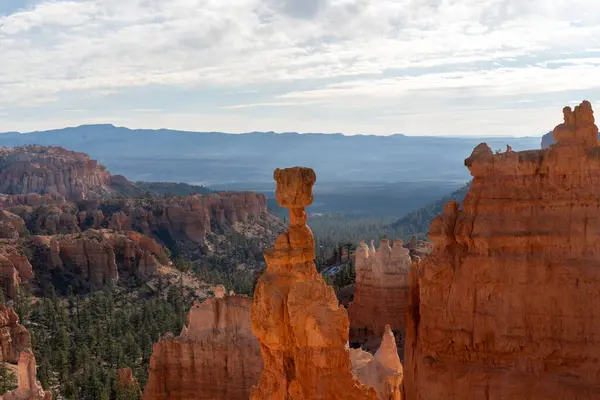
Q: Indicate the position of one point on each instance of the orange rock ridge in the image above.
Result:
(216, 357)
(301, 328)
(52, 170)
(507, 305)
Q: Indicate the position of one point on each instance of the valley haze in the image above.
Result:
(364, 174)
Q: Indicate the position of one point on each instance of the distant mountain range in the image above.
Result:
(389, 174)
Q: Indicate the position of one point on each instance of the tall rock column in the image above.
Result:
(301, 328)
(507, 306)
(381, 289)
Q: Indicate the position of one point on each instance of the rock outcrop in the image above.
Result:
(29, 387)
(169, 220)
(126, 383)
(216, 357)
(11, 225)
(381, 288)
(302, 329)
(14, 337)
(507, 305)
(548, 140)
(100, 255)
(54, 171)
(383, 372)
(15, 268)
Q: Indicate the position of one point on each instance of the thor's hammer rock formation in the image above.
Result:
(507, 306)
(301, 328)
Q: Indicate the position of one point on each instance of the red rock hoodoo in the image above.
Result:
(381, 288)
(29, 387)
(383, 372)
(216, 357)
(507, 306)
(14, 337)
(302, 329)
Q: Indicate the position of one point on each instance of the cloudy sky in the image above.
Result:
(419, 67)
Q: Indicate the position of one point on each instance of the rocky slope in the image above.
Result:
(301, 328)
(507, 304)
(56, 171)
(216, 356)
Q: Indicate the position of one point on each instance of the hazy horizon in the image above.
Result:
(421, 68)
(280, 133)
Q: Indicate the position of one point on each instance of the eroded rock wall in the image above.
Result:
(52, 170)
(216, 356)
(381, 288)
(507, 305)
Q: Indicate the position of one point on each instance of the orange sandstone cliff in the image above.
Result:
(302, 329)
(216, 357)
(381, 288)
(52, 170)
(507, 306)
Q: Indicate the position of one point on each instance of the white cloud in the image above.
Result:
(338, 52)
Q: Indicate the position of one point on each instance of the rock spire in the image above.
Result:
(301, 328)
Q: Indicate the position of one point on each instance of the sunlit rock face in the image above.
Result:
(216, 356)
(507, 306)
(301, 328)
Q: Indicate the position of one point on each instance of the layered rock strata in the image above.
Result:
(99, 256)
(383, 372)
(215, 357)
(507, 306)
(189, 218)
(381, 288)
(29, 388)
(52, 170)
(302, 329)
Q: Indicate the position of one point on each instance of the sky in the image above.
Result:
(418, 67)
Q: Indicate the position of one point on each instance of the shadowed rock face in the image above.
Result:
(14, 337)
(301, 328)
(216, 357)
(381, 289)
(507, 305)
(186, 218)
